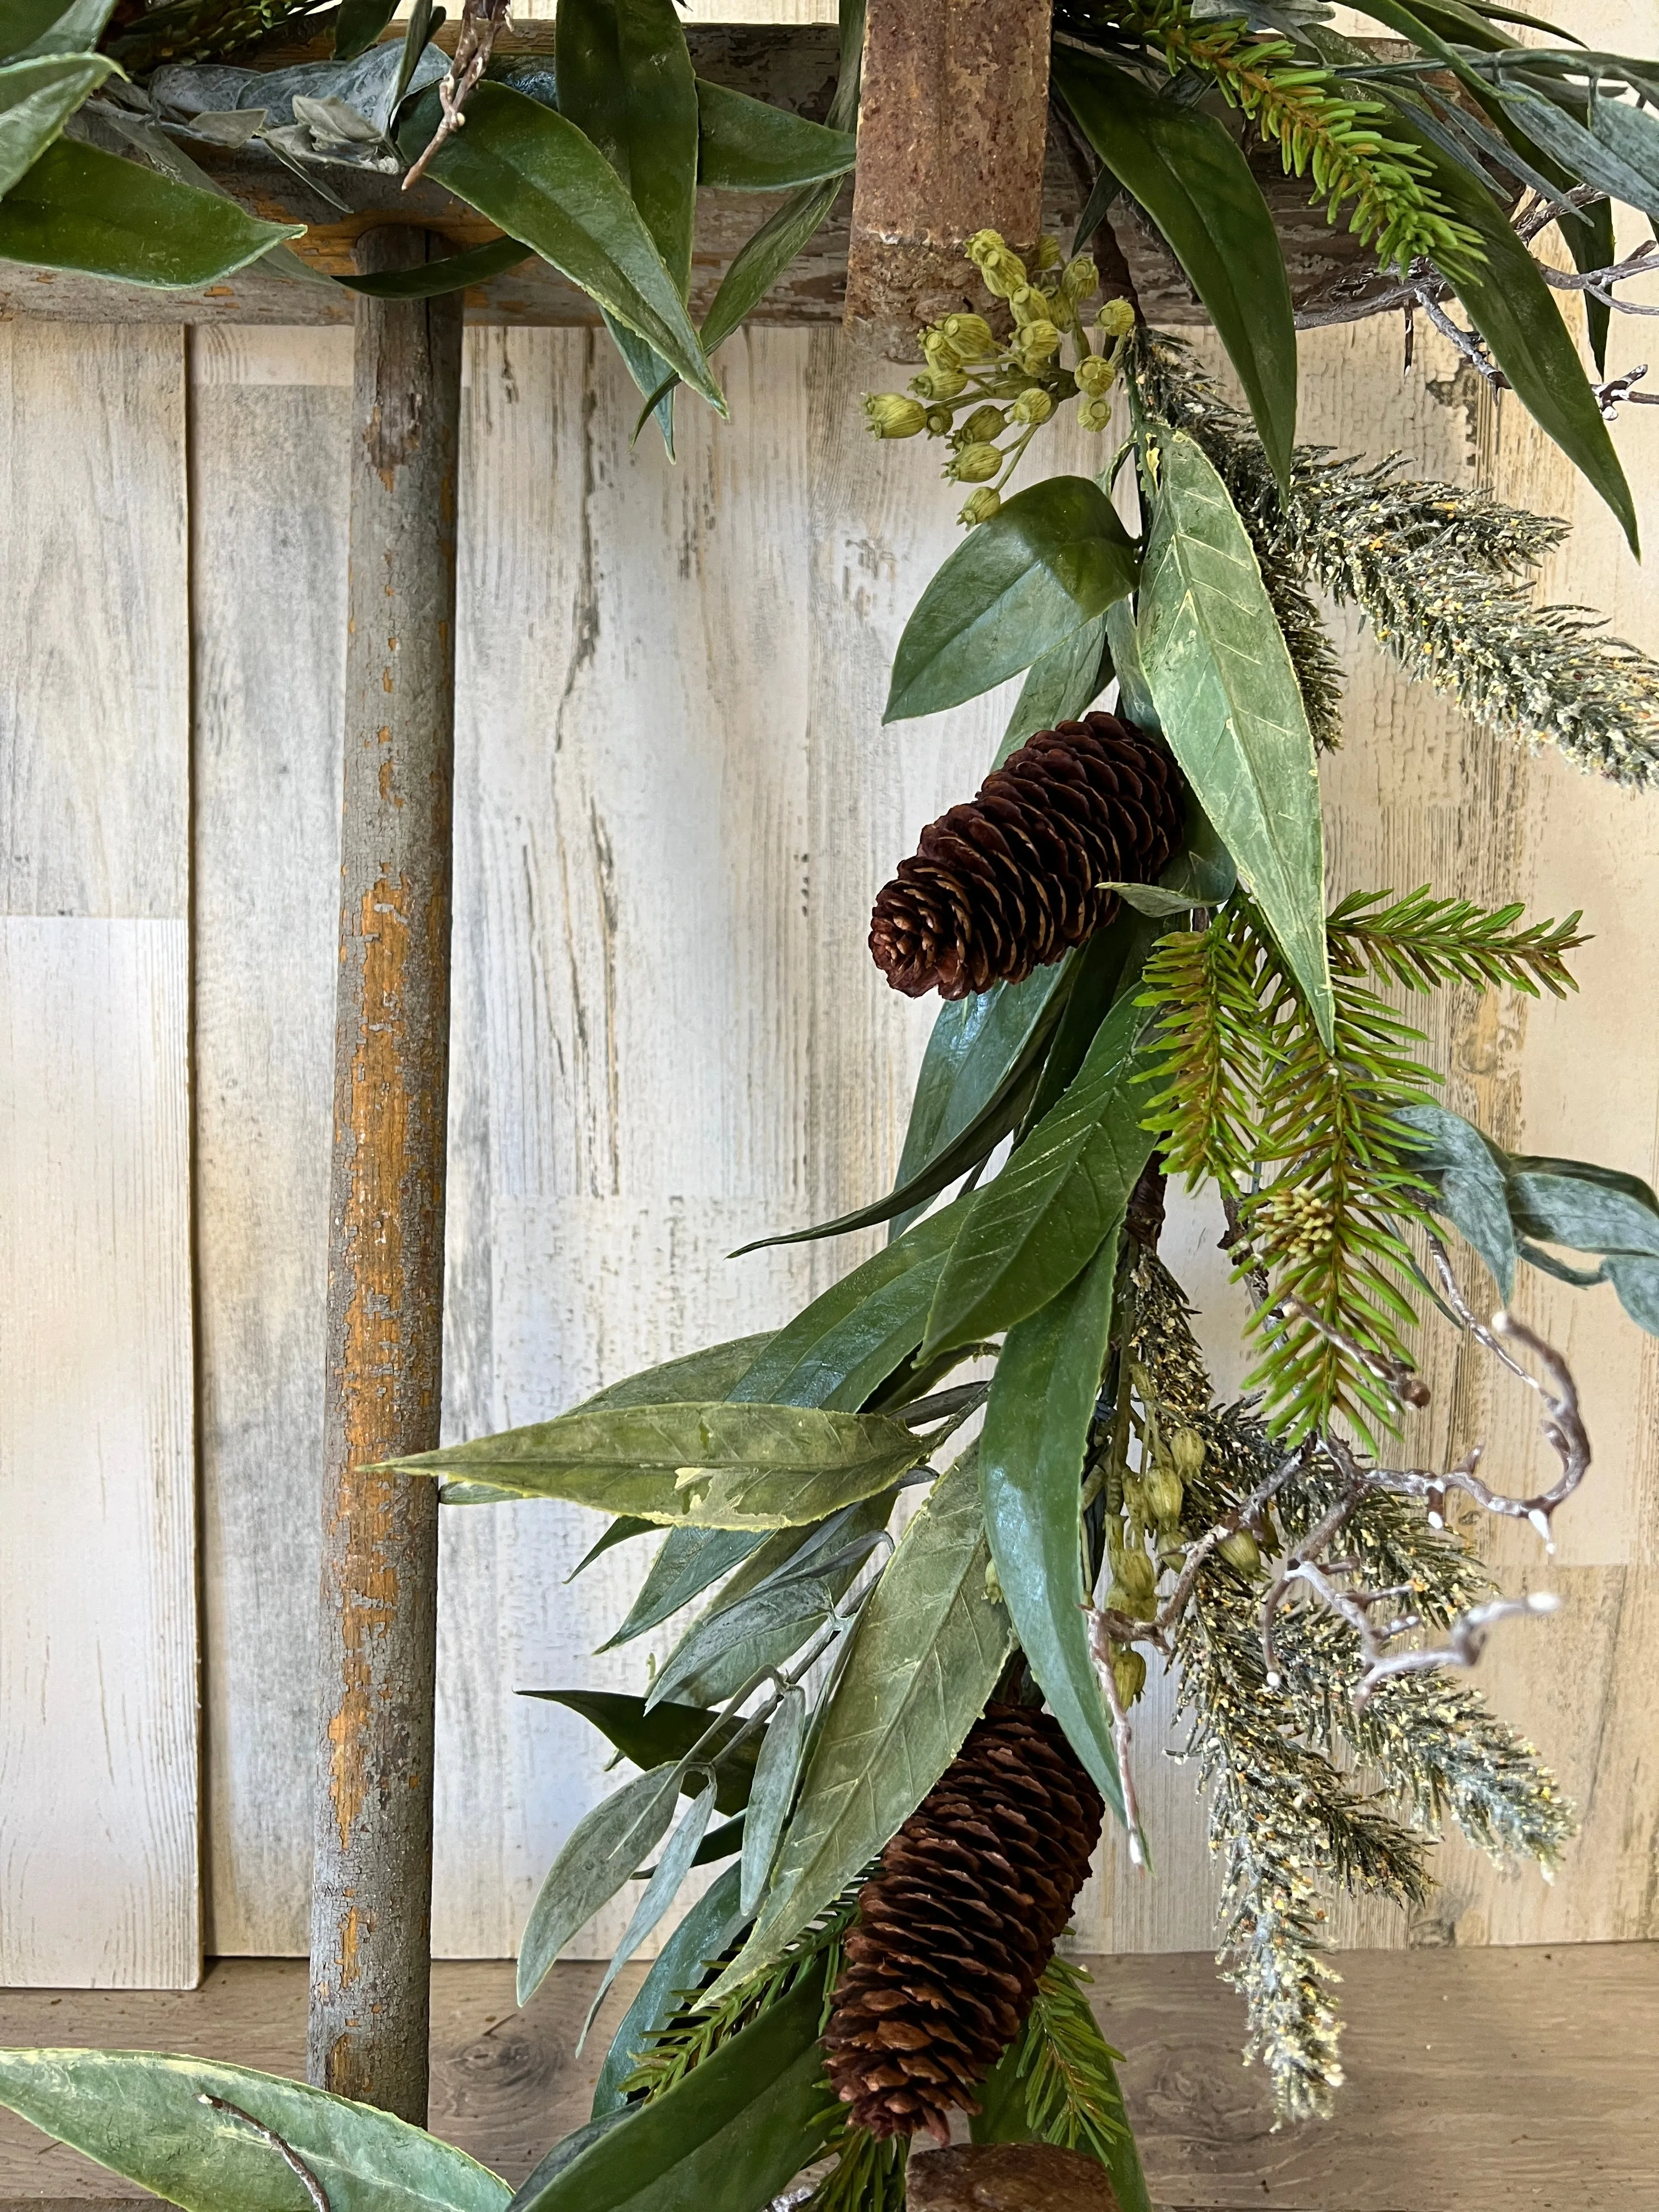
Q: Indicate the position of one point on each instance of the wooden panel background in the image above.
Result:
(675, 800)
(98, 1872)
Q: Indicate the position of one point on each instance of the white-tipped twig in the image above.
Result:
(1466, 1639)
(290, 2157)
(480, 21)
(1100, 1648)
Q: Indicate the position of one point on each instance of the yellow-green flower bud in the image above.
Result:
(938, 350)
(1128, 1673)
(1038, 342)
(1134, 1571)
(1116, 319)
(939, 384)
(1242, 1551)
(971, 336)
(980, 506)
(1033, 404)
(1096, 375)
(1049, 255)
(1187, 1450)
(975, 464)
(1120, 1599)
(940, 420)
(1080, 277)
(892, 415)
(984, 423)
(1164, 1492)
(1001, 271)
(1094, 415)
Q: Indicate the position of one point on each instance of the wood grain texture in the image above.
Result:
(1523, 2076)
(98, 1721)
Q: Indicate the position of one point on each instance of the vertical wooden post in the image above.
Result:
(953, 126)
(372, 1893)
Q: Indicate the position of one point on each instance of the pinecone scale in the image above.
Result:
(1010, 881)
(956, 1924)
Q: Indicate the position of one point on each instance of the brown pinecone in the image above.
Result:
(1005, 884)
(957, 1922)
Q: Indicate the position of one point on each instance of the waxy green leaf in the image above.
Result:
(539, 177)
(605, 1848)
(1230, 708)
(455, 272)
(37, 98)
(1051, 560)
(748, 146)
(689, 1561)
(1038, 1226)
(715, 1466)
(626, 82)
(1189, 174)
(359, 24)
(926, 1652)
(79, 208)
(141, 2114)
(1030, 1472)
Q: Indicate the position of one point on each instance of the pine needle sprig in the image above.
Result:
(868, 2175)
(1209, 1038)
(1423, 942)
(1321, 132)
(1071, 2097)
(1437, 570)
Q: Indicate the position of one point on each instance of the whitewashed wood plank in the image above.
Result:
(98, 1719)
(95, 692)
(269, 547)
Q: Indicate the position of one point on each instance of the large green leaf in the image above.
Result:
(1514, 310)
(763, 257)
(748, 146)
(23, 22)
(926, 1655)
(1191, 177)
(1030, 1472)
(664, 1733)
(537, 176)
(1064, 1190)
(1232, 709)
(141, 2113)
(776, 1772)
(605, 1850)
(37, 98)
(80, 208)
(727, 2138)
(710, 1925)
(1052, 559)
(848, 1341)
(1063, 685)
(456, 272)
(51, 27)
(359, 24)
(1471, 1185)
(715, 1466)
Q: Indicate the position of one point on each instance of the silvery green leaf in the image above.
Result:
(924, 1657)
(1593, 1209)
(1151, 898)
(660, 1891)
(604, 1850)
(332, 120)
(1636, 1282)
(771, 1794)
(234, 128)
(792, 1607)
(1469, 1172)
(707, 1930)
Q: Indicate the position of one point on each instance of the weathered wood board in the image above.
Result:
(99, 1750)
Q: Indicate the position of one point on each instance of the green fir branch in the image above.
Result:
(868, 2174)
(1437, 570)
(1065, 2062)
(1208, 1037)
(1423, 942)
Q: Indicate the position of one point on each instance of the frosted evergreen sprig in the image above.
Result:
(1437, 569)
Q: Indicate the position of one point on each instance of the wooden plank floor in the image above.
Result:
(1479, 2078)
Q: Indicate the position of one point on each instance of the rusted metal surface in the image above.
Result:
(371, 1908)
(953, 133)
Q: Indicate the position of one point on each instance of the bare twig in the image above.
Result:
(480, 21)
(1100, 1650)
(290, 2157)
(1466, 1639)
(1229, 1525)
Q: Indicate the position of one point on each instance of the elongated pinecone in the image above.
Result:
(957, 1922)
(1006, 884)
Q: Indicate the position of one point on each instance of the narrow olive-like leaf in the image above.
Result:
(649, 1737)
(791, 1608)
(1631, 134)
(141, 2113)
(1038, 1226)
(660, 1891)
(1030, 1472)
(1514, 310)
(79, 208)
(1591, 156)
(1150, 899)
(454, 273)
(605, 1849)
(1113, 957)
(535, 176)
(1191, 177)
(1135, 701)
(776, 1772)
(359, 24)
(1052, 559)
(1469, 1174)
(711, 1925)
(716, 1465)
(746, 145)
(763, 257)
(727, 2138)
(1232, 709)
(926, 1655)
(565, 2153)
(626, 82)
(848, 1341)
(1004, 2117)
(37, 98)
(689, 1561)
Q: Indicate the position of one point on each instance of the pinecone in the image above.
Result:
(1005, 884)
(957, 1922)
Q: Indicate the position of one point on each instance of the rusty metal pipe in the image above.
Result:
(372, 1890)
